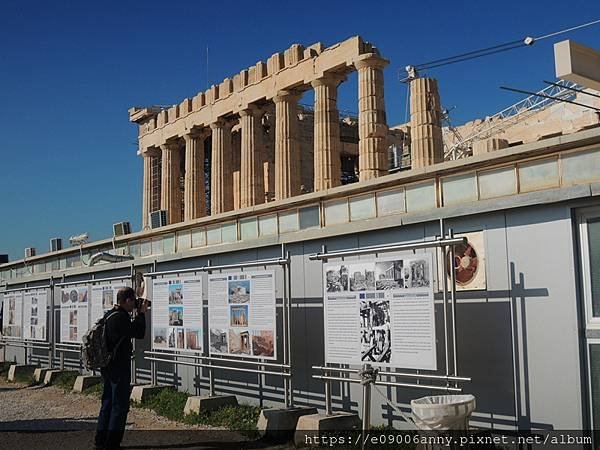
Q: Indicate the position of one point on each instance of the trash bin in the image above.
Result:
(443, 412)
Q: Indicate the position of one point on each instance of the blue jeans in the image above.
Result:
(115, 406)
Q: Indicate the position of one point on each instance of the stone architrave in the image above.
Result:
(287, 146)
(221, 186)
(252, 188)
(327, 163)
(170, 193)
(193, 191)
(426, 145)
(372, 124)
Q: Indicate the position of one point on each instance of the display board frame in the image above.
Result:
(373, 308)
(242, 311)
(37, 314)
(12, 315)
(178, 306)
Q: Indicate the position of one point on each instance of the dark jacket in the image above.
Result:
(118, 326)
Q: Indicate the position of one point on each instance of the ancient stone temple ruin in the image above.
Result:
(246, 141)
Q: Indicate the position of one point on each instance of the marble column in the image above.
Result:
(170, 192)
(193, 190)
(287, 146)
(221, 184)
(372, 125)
(426, 144)
(252, 188)
(147, 190)
(327, 163)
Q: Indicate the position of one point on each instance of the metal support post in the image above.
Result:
(285, 325)
(211, 378)
(368, 375)
(62, 360)
(287, 268)
(453, 304)
(50, 327)
(153, 378)
(327, 394)
(211, 381)
(133, 364)
(445, 295)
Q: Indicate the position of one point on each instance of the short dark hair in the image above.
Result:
(125, 294)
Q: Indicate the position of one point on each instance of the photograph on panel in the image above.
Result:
(218, 340)
(239, 342)
(362, 276)
(375, 329)
(263, 343)
(336, 278)
(175, 293)
(388, 275)
(238, 291)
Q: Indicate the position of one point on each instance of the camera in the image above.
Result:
(139, 301)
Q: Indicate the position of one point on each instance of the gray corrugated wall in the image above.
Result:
(530, 272)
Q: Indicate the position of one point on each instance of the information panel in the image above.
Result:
(34, 314)
(241, 314)
(104, 297)
(74, 313)
(177, 313)
(380, 311)
(12, 316)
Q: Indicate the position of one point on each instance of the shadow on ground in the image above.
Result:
(134, 440)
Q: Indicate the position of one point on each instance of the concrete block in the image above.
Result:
(206, 403)
(143, 392)
(52, 375)
(20, 369)
(339, 421)
(39, 374)
(83, 382)
(281, 422)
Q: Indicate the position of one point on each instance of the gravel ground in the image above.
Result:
(51, 418)
(51, 408)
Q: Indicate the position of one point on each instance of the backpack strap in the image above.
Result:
(114, 350)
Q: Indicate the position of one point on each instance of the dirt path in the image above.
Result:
(49, 417)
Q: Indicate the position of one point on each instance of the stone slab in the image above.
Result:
(20, 369)
(52, 375)
(280, 423)
(39, 374)
(143, 392)
(199, 403)
(83, 382)
(339, 421)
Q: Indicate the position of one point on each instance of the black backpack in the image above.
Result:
(94, 352)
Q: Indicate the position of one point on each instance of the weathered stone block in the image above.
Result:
(17, 370)
(206, 403)
(340, 421)
(39, 374)
(143, 392)
(83, 382)
(52, 375)
(281, 423)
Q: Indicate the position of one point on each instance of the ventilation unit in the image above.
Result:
(3, 259)
(29, 252)
(158, 218)
(55, 244)
(121, 229)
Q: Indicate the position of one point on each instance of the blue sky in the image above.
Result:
(70, 70)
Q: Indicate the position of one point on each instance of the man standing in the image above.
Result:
(120, 329)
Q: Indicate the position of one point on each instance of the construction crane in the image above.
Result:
(501, 121)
